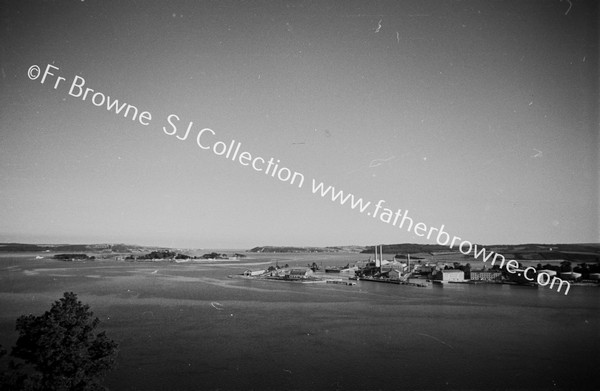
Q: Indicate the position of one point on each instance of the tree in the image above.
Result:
(565, 266)
(60, 350)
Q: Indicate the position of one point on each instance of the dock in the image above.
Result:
(392, 281)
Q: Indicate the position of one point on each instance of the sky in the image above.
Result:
(481, 116)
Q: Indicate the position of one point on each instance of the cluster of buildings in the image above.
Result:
(441, 267)
(419, 270)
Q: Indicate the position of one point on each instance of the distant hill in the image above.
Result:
(287, 249)
(109, 248)
(407, 248)
(582, 252)
(586, 252)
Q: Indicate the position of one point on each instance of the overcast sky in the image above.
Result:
(479, 115)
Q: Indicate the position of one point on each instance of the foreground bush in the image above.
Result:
(59, 350)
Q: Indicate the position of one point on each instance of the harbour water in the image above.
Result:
(189, 327)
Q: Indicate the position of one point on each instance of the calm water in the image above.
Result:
(270, 335)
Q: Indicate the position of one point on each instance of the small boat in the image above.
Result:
(551, 273)
(570, 275)
(340, 282)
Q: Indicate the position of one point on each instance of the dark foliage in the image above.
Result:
(159, 255)
(59, 350)
(214, 255)
(284, 249)
(68, 257)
